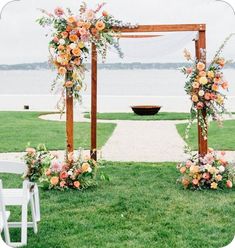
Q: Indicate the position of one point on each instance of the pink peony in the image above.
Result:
(59, 11)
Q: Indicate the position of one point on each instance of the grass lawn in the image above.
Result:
(219, 138)
(133, 116)
(19, 128)
(140, 207)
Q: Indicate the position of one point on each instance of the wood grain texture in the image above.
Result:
(94, 103)
(69, 122)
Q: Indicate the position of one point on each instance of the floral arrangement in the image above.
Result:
(209, 172)
(206, 87)
(76, 172)
(72, 36)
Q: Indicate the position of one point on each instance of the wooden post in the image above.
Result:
(93, 150)
(200, 43)
(69, 120)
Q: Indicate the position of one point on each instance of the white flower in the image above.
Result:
(70, 173)
(73, 45)
(207, 166)
(62, 41)
(59, 59)
(89, 170)
(221, 169)
(201, 93)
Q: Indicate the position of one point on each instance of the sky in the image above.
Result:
(22, 40)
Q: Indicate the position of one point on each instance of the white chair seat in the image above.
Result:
(14, 197)
(7, 213)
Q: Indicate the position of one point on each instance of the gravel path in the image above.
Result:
(142, 141)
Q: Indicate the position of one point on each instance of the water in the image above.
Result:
(117, 90)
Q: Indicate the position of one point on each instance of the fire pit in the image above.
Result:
(146, 109)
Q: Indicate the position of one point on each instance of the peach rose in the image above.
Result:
(195, 98)
(85, 167)
(48, 172)
(30, 151)
(196, 85)
(221, 62)
(229, 184)
(207, 96)
(195, 181)
(100, 25)
(202, 74)
(218, 177)
(77, 61)
(76, 52)
(64, 34)
(206, 176)
(61, 47)
(200, 66)
(185, 182)
(63, 175)
(73, 37)
(217, 80)
(215, 87)
(76, 184)
(90, 14)
(71, 19)
(68, 84)
(182, 170)
(54, 180)
(94, 31)
(62, 184)
(62, 71)
(225, 85)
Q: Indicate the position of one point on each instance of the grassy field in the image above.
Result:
(134, 117)
(219, 138)
(140, 207)
(19, 128)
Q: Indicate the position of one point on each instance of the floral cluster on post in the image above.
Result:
(206, 87)
(210, 172)
(72, 36)
(76, 172)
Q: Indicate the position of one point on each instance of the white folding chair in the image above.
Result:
(4, 215)
(21, 197)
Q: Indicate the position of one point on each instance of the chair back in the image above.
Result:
(12, 167)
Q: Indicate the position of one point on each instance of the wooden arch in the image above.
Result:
(200, 43)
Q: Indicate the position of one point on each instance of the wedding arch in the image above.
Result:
(200, 43)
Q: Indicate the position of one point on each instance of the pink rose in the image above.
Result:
(56, 39)
(59, 11)
(188, 164)
(200, 105)
(229, 184)
(63, 175)
(62, 184)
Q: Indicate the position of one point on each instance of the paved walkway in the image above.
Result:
(142, 141)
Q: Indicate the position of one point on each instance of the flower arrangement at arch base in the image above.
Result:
(75, 172)
(209, 172)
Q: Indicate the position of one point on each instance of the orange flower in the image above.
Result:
(210, 74)
(76, 51)
(62, 71)
(48, 172)
(80, 24)
(73, 37)
(182, 170)
(225, 85)
(105, 13)
(61, 47)
(64, 35)
(71, 19)
(100, 25)
(54, 180)
(68, 28)
(185, 182)
(87, 25)
(76, 184)
(215, 87)
(85, 167)
(94, 31)
(68, 84)
(202, 74)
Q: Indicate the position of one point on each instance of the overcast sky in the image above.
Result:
(22, 40)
